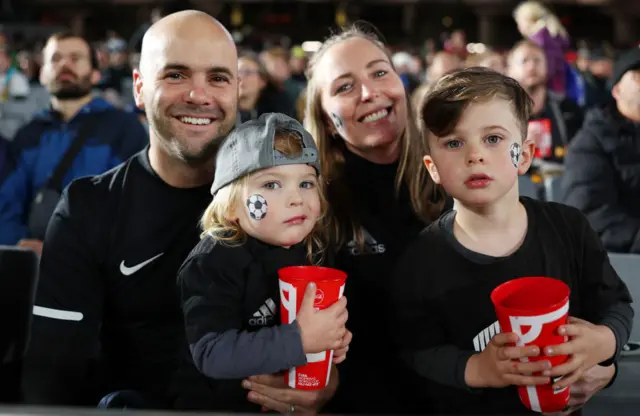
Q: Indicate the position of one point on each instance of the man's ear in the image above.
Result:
(526, 156)
(137, 88)
(432, 168)
(615, 91)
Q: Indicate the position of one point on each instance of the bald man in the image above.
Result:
(107, 316)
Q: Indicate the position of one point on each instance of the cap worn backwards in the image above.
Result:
(250, 147)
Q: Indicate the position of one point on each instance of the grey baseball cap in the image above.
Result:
(250, 147)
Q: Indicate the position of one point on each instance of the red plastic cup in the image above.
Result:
(534, 308)
(329, 288)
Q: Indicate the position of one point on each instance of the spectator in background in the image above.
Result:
(16, 105)
(582, 58)
(489, 59)
(115, 80)
(429, 50)
(29, 67)
(599, 69)
(102, 56)
(457, 44)
(443, 63)
(276, 62)
(537, 23)
(253, 81)
(563, 117)
(112, 136)
(298, 64)
(258, 94)
(407, 69)
(602, 168)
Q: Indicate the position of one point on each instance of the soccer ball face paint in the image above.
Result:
(257, 206)
(514, 152)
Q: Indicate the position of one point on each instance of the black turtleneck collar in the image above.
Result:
(359, 170)
(276, 257)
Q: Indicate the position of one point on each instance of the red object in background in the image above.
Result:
(542, 137)
(571, 56)
(277, 18)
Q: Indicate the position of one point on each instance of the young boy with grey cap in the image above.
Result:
(267, 213)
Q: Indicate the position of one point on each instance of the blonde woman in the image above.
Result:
(380, 196)
(538, 24)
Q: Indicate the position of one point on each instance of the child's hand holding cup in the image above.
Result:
(312, 296)
(534, 308)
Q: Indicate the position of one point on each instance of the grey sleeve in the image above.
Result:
(236, 354)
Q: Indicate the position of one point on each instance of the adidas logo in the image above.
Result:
(371, 246)
(481, 340)
(264, 315)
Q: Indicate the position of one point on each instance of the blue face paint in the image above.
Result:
(515, 151)
(257, 206)
(338, 122)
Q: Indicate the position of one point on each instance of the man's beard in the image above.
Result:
(180, 148)
(71, 90)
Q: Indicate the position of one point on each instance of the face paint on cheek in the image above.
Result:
(338, 121)
(514, 152)
(257, 206)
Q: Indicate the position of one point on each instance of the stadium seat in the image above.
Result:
(18, 280)
(628, 268)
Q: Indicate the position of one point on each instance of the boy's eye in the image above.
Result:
(307, 185)
(494, 139)
(453, 144)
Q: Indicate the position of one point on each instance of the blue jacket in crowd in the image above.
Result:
(39, 146)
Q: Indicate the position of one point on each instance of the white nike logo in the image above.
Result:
(131, 270)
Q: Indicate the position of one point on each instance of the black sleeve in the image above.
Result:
(589, 184)
(69, 303)
(212, 299)
(604, 295)
(418, 332)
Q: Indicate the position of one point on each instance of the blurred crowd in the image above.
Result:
(566, 79)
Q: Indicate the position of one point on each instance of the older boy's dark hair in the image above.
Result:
(442, 106)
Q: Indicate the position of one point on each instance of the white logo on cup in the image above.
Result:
(288, 302)
(319, 297)
(536, 323)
